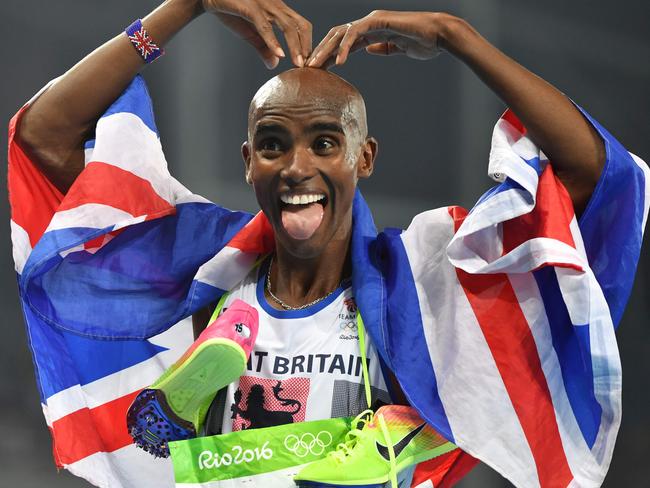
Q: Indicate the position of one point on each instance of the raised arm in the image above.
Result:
(54, 126)
(554, 123)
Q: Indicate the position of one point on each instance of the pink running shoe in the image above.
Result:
(175, 406)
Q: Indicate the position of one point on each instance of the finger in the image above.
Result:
(265, 31)
(315, 53)
(291, 34)
(331, 60)
(360, 43)
(360, 34)
(304, 28)
(384, 49)
(349, 38)
(324, 55)
(326, 47)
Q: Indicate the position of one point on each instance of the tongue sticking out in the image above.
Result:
(301, 221)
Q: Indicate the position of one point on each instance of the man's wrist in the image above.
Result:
(456, 35)
(193, 7)
(170, 17)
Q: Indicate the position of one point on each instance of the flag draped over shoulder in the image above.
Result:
(507, 312)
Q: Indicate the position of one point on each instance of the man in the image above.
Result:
(308, 138)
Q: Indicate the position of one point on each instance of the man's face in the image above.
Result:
(305, 153)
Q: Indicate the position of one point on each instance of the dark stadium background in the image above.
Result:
(433, 120)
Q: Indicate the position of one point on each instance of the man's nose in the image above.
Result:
(299, 166)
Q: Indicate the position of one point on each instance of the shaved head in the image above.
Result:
(312, 88)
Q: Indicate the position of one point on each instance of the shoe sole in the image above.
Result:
(152, 427)
(190, 388)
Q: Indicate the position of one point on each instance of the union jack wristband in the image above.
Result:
(142, 43)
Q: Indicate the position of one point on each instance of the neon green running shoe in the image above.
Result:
(381, 447)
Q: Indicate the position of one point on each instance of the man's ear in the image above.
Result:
(367, 159)
(246, 155)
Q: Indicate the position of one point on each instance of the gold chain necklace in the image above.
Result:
(285, 305)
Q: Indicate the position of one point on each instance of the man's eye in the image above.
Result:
(324, 144)
(271, 145)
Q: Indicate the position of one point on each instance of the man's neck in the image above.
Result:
(298, 281)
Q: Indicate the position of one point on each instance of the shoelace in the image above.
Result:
(345, 448)
(391, 452)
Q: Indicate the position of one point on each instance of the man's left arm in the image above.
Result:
(573, 146)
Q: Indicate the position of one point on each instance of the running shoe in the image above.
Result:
(377, 451)
(175, 406)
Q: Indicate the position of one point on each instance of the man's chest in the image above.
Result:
(303, 368)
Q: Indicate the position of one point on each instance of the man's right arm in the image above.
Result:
(55, 125)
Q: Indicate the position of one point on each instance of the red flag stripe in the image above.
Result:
(514, 351)
(256, 237)
(109, 185)
(88, 431)
(32, 197)
(444, 470)
(513, 120)
(550, 218)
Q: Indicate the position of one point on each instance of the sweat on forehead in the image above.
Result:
(310, 87)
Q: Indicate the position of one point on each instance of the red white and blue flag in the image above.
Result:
(507, 313)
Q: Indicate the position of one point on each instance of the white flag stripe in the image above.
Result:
(577, 238)
(506, 154)
(574, 286)
(526, 257)
(646, 173)
(606, 366)
(495, 210)
(93, 216)
(21, 246)
(138, 151)
(226, 268)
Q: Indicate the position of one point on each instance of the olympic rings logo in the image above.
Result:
(308, 443)
(350, 326)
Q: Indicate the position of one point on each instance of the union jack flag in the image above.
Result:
(143, 42)
(498, 323)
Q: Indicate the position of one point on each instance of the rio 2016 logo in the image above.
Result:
(237, 455)
(308, 443)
